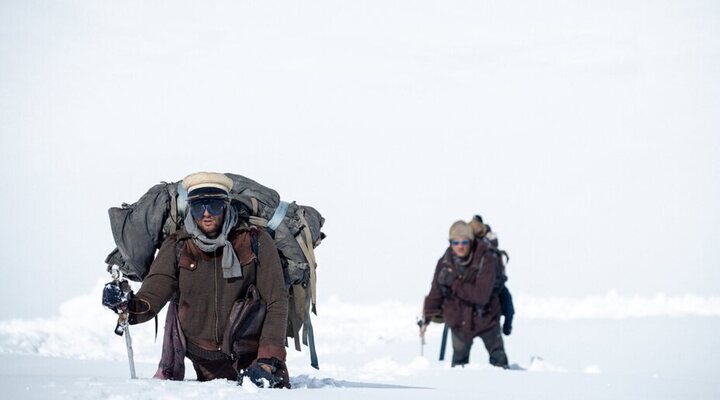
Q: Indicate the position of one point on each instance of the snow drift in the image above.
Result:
(82, 329)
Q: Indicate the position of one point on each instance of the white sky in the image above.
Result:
(585, 134)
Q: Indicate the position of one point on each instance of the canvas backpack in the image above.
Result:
(139, 229)
(484, 232)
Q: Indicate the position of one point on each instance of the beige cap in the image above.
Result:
(207, 184)
(461, 230)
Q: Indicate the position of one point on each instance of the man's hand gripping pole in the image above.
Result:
(423, 327)
(116, 296)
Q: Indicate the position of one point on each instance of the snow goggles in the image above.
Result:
(460, 242)
(214, 207)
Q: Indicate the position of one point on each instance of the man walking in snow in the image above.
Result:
(209, 266)
(465, 294)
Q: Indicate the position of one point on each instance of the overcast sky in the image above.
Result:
(586, 134)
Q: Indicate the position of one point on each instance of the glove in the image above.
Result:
(266, 373)
(116, 296)
(447, 276)
(423, 323)
(507, 326)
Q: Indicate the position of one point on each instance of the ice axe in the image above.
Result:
(443, 344)
(119, 289)
(421, 324)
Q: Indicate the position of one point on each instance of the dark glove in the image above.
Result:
(258, 374)
(116, 296)
(447, 276)
(507, 308)
(422, 321)
(507, 326)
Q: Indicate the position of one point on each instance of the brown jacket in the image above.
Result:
(471, 306)
(205, 297)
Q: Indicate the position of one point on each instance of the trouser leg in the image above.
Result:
(461, 350)
(492, 339)
(207, 370)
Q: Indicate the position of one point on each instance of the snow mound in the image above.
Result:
(616, 306)
(592, 370)
(537, 364)
(83, 329)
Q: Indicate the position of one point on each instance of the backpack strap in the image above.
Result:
(254, 203)
(178, 207)
(178, 249)
(254, 246)
(172, 222)
(308, 332)
(257, 221)
(301, 300)
(307, 248)
(181, 202)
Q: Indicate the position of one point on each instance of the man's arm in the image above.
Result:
(271, 286)
(479, 290)
(159, 285)
(433, 301)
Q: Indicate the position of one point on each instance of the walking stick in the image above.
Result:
(422, 326)
(443, 343)
(123, 324)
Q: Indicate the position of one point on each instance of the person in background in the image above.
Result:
(465, 293)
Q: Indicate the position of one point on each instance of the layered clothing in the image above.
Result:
(205, 294)
(465, 293)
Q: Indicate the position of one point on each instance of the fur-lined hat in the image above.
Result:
(461, 230)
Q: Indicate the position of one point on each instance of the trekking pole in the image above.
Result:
(123, 324)
(443, 343)
(421, 323)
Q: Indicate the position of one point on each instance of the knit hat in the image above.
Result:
(461, 230)
(207, 184)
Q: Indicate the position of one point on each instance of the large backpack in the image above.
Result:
(140, 228)
(483, 231)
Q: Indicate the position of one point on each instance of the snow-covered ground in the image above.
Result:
(610, 346)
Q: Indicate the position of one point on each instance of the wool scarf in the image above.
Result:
(230, 264)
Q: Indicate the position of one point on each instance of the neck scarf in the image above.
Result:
(462, 263)
(230, 263)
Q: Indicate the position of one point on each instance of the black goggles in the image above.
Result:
(213, 206)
